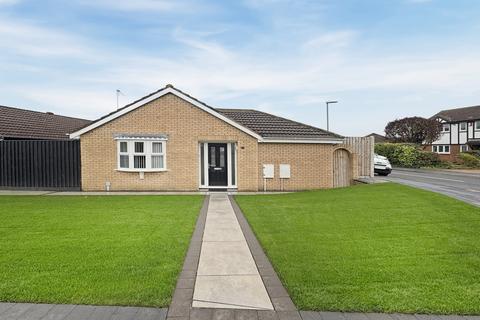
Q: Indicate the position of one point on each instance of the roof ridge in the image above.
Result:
(236, 109)
(459, 108)
(43, 112)
(149, 95)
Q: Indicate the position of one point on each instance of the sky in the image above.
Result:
(381, 59)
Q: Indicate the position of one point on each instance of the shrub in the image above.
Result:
(474, 152)
(428, 159)
(386, 150)
(469, 160)
(407, 155)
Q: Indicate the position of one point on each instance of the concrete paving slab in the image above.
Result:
(103, 313)
(59, 312)
(227, 276)
(234, 292)
(226, 258)
(219, 233)
(16, 311)
(23, 193)
(80, 312)
(4, 306)
(37, 312)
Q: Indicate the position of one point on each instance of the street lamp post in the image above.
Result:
(327, 103)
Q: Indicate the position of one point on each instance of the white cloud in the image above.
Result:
(140, 5)
(8, 2)
(30, 39)
(256, 76)
(331, 39)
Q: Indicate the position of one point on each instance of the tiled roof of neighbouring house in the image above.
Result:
(270, 126)
(378, 137)
(27, 124)
(459, 114)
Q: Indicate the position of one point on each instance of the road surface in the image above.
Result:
(461, 185)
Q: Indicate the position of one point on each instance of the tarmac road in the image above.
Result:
(464, 186)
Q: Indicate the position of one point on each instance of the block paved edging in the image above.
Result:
(42, 311)
(183, 294)
(181, 306)
(282, 303)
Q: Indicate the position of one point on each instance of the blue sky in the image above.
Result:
(380, 59)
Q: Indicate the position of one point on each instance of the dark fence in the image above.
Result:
(45, 164)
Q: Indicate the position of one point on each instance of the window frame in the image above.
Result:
(460, 126)
(477, 125)
(120, 154)
(147, 152)
(447, 126)
(436, 148)
(464, 146)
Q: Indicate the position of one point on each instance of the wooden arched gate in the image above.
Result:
(342, 168)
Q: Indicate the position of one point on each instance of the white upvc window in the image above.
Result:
(141, 155)
(477, 125)
(463, 126)
(441, 149)
(463, 148)
(446, 127)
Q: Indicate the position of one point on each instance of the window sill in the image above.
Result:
(141, 170)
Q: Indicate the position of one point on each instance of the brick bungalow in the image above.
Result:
(169, 140)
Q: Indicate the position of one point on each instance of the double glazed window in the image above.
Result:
(477, 125)
(141, 155)
(445, 149)
(463, 126)
(463, 148)
(446, 127)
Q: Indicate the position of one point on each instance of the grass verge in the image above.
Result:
(372, 248)
(110, 250)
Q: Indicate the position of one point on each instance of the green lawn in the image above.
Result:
(383, 247)
(110, 250)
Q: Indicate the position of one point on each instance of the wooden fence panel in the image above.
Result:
(40, 164)
(362, 148)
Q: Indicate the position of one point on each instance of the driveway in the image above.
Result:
(461, 185)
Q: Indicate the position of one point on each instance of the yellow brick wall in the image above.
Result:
(311, 165)
(185, 125)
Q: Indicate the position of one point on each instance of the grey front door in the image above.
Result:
(217, 164)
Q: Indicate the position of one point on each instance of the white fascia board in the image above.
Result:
(156, 96)
(324, 141)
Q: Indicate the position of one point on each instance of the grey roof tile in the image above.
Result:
(459, 114)
(271, 126)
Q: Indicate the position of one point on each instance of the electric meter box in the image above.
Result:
(285, 171)
(268, 171)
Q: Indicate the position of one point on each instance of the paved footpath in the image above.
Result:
(30, 311)
(227, 276)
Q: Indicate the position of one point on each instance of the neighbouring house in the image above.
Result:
(169, 140)
(460, 132)
(21, 124)
(378, 138)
